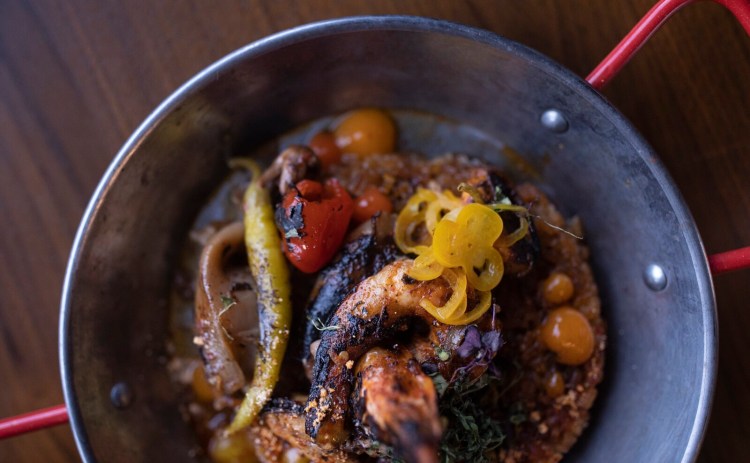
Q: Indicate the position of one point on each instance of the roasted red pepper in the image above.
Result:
(313, 219)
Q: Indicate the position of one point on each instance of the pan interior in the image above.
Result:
(661, 357)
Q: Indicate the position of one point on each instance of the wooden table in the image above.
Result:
(76, 78)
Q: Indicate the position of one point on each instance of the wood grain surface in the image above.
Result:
(77, 77)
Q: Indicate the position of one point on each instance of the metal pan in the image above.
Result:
(647, 255)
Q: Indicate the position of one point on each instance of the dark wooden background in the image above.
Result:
(77, 77)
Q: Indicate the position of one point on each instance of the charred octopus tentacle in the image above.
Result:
(397, 403)
(368, 249)
(380, 307)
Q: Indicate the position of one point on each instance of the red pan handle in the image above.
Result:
(731, 260)
(656, 16)
(621, 54)
(32, 421)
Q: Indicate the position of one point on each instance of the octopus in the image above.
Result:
(371, 353)
(367, 250)
(397, 403)
(381, 307)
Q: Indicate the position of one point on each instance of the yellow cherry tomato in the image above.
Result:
(557, 288)
(366, 131)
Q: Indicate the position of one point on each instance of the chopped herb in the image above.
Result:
(470, 387)
(380, 450)
(227, 302)
(470, 433)
(517, 413)
(441, 385)
(320, 326)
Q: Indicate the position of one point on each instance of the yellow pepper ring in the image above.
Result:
(436, 209)
(410, 217)
(485, 298)
(491, 268)
(468, 243)
(460, 243)
(455, 306)
(512, 238)
(403, 231)
(450, 312)
(425, 266)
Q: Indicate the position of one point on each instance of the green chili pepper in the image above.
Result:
(269, 269)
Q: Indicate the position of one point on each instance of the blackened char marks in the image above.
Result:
(360, 258)
(332, 373)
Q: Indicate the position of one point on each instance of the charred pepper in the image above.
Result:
(269, 269)
(313, 218)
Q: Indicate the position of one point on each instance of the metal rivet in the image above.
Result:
(121, 395)
(655, 277)
(554, 120)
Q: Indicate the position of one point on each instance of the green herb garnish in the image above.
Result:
(441, 385)
(517, 414)
(471, 432)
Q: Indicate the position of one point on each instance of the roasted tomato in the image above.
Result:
(324, 145)
(313, 219)
(370, 203)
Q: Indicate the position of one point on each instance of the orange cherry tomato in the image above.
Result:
(557, 288)
(324, 146)
(567, 333)
(366, 131)
(370, 203)
(554, 384)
